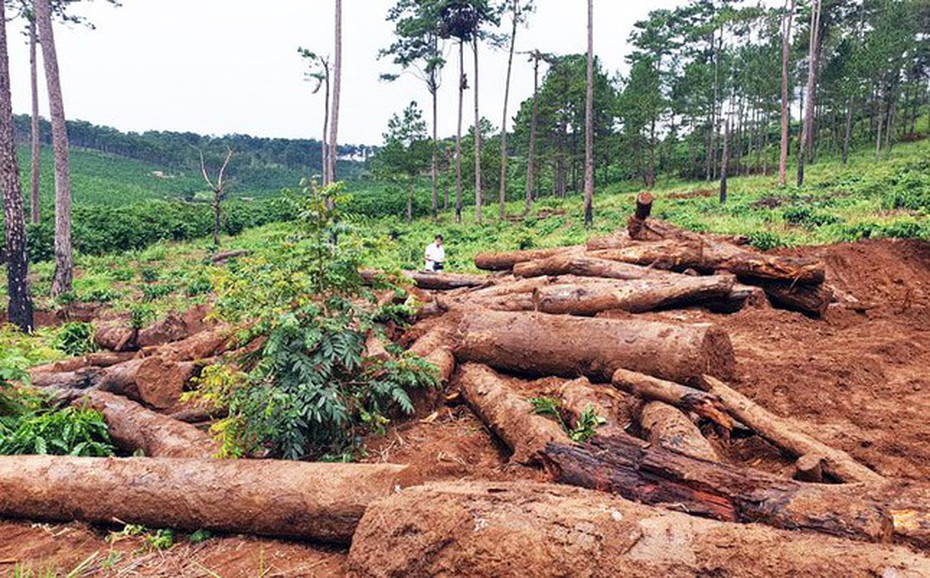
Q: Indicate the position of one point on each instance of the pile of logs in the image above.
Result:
(656, 388)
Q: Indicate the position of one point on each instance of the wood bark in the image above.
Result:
(685, 398)
(19, 310)
(668, 427)
(540, 344)
(446, 281)
(531, 529)
(320, 501)
(508, 415)
(787, 435)
(134, 428)
(589, 124)
(501, 261)
(635, 296)
(64, 260)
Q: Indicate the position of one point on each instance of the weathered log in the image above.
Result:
(580, 395)
(82, 378)
(665, 254)
(685, 398)
(882, 512)
(135, 428)
(115, 335)
(583, 266)
(224, 256)
(508, 415)
(321, 501)
(98, 359)
(812, 300)
(446, 281)
(809, 468)
(635, 296)
(667, 427)
(540, 344)
(156, 381)
(787, 435)
(200, 346)
(174, 327)
(506, 260)
(530, 529)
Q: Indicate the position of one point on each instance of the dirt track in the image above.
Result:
(859, 376)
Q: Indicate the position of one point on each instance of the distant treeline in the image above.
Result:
(257, 163)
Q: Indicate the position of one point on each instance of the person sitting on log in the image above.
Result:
(435, 255)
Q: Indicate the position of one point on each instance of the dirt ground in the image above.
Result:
(858, 378)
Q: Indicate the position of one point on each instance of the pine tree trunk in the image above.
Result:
(807, 126)
(502, 193)
(35, 213)
(849, 112)
(531, 155)
(458, 136)
(785, 111)
(726, 161)
(64, 260)
(337, 86)
(434, 171)
(20, 303)
(589, 125)
(478, 191)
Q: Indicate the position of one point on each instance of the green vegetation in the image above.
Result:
(588, 421)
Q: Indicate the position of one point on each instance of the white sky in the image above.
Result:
(231, 66)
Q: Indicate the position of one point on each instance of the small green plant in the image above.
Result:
(161, 539)
(154, 292)
(149, 274)
(200, 536)
(70, 431)
(75, 338)
(140, 315)
(586, 425)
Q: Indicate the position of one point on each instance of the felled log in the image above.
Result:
(82, 378)
(635, 296)
(580, 395)
(787, 435)
(200, 346)
(133, 428)
(507, 414)
(114, 335)
(155, 381)
(812, 300)
(670, 254)
(882, 512)
(669, 428)
(320, 501)
(506, 260)
(224, 256)
(583, 266)
(446, 281)
(531, 529)
(174, 327)
(545, 345)
(97, 359)
(685, 398)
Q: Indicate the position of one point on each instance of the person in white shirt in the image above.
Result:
(435, 255)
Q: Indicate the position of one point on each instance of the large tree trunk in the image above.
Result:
(812, 300)
(530, 529)
(134, 428)
(808, 124)
(446, 281)
(643, 472)
(787, 435)
(35, 133)
(508, 415)
(635, 296)
(458, 135)
(578, 264)
(785, 111)
(155, 381)
(540, 344)
(337, 89)
(501, 261)
(433, 168)
(64, 264)
(19, 311)
(589, 125)
(318, 501)
(478, 192)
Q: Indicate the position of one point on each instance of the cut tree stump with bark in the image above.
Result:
(545, 345)
(317, 501)
(134, 428)
(685, 398)
(670, 428)
(787, 435)
(531, 529)
(882, 512)
(508, 415)
(506, 260)
(635, 296)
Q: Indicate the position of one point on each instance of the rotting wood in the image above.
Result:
(319, 501)
(670, 428)
(502, 261)
(584, 266)
(685, 398)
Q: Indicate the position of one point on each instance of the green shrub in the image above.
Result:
(70, 431)
(765, 240)
(75, 338)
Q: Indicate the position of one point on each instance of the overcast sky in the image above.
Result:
(231, 66)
